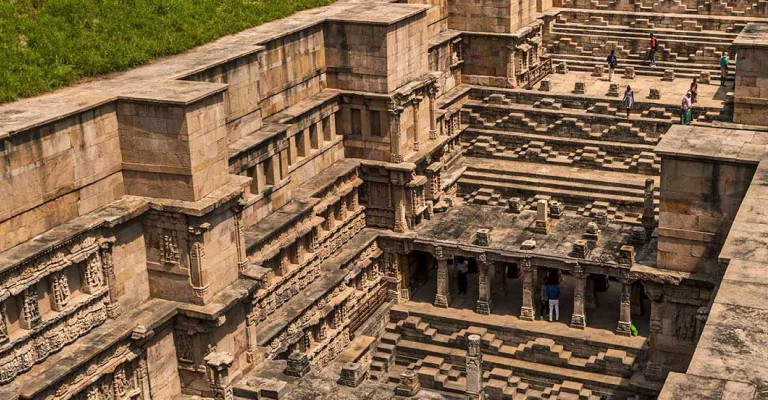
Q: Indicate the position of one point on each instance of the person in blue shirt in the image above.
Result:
(723, 68)
(553, 293)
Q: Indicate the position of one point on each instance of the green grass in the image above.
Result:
(46, 44)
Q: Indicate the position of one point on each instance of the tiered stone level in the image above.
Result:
(367, 200)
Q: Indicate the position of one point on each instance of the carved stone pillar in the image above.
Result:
(416, 124)
(251, 319)
(217, 364)
(393, 273)
(474, 367)
(625, 312)
(528, 312)
(60, 290)
(443, 296)
(242, 257)
(355, 204)
(197, 275)
(330, 219)
(395, 111)
(108, 267)
(432, 93)
(398, 194)
(654, 371)
(343, 207)
(3, 323)
(579, 317)
(93, 279)
(30, 310)
(484, 302)
(511, 67)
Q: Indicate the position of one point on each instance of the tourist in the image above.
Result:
(544, 301)
(604, 397)
(694, 90)
(553, 294)
(652, 52)
(612, 63)
(686, 115)
(723, 68)
(629, 100)
(633, 329)
(463, 270)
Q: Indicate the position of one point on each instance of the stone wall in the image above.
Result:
(56, 172)
(162, 365)
(495, 16)
(751, 96)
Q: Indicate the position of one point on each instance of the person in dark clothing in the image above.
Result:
(544, 301)
(613, 62)
(652, 52)
(463, 269)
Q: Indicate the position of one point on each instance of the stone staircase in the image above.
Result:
(542, 368)
(751, 8)
(689, 52)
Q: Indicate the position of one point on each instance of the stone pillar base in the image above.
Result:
(578, 321)
(442, 301)
(484, 307)
(527, 314)
(623, 329)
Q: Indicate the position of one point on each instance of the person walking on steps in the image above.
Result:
(686, 115)
(652, 52)
(723, 68)
(544, 301)
(553, 294)
(613, 62)
(629, 99)
(694, 90)
(463, 269)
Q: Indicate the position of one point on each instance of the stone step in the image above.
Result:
(643, 33)
(584, 63)
(542, 183)
(520, 367)
(575, 176)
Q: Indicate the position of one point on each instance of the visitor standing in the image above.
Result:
(544, 301)
(629, 99)
(723, 68)
(463, 270)
(686, 115)
(612, 63)
(553, 294)
(652, 52)
(694, 90)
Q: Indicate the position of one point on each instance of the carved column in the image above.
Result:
(511, 67)
(579, 317)
(218, 364)
(343, 207)
(355, 199)
(432, 93)
(3, 323)
(484, 302)
(654, 371)
(242, 257)
(625, 312)
(649, 218)
(30, 310)
(60, 290)
(443, 296)
(474, 367)
(197, 275)
(114, 287)
(142, 336)
(395, 111)
(251, 319)
(416, 123)
(93, 279)
(398, 194)
(528, 312)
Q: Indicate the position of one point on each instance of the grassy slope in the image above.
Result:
(45, 44)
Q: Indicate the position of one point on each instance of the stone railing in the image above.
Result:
(536, 73)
